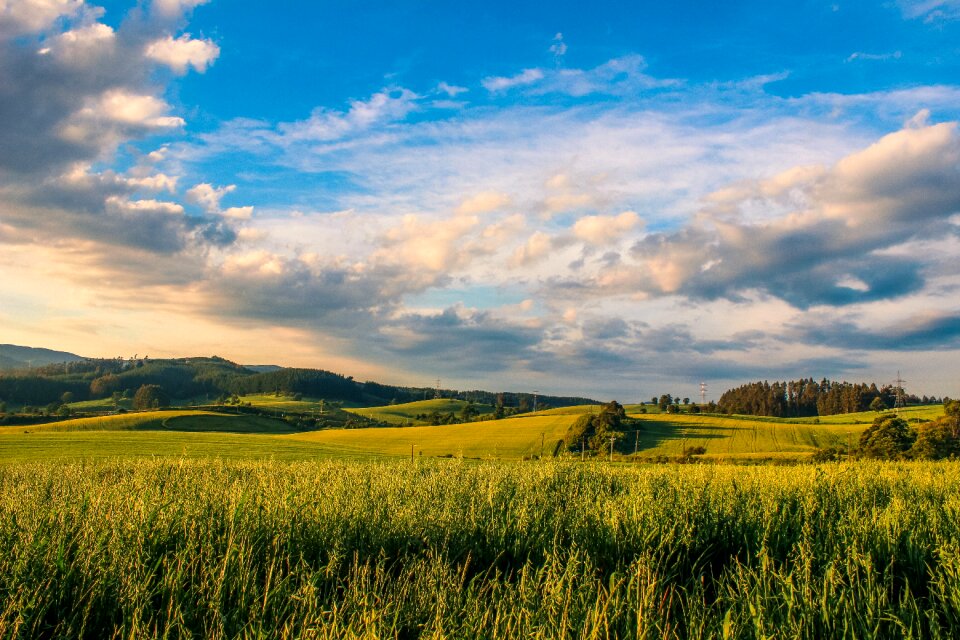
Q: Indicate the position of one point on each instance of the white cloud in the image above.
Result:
(122, 205)
(30, 16)
(524, 78)
(483, 202)
(208, 196)
(451, 89)
(538, 246)
(238, 213)
(154, 182)
(860, 55)
(559, 47)
(324, 124)
(174, 8)
(83, 45)
(123, 106)
(930, 10)
(427, 245)
(602, 229)
(183, 52)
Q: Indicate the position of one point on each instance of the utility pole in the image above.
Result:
(636, 441)
(611, 449)
(411, 452)
(542, 435)
(899, 401)
(583, 449)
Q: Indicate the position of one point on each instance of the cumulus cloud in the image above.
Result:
(83, 45)
(602, 229)
(183, 52)
(208, 196)
(30, 16)
(906, 185)
(537, 247)
(174, 8)
(483, 202)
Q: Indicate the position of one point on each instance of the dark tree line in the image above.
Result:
(807, 397)
(215, 377)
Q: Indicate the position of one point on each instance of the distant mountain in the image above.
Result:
(16, 357)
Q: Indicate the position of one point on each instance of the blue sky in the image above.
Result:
(615, 202)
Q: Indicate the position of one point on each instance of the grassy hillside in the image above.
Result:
(408, 412)
(510, 438)
(159, 420)
(204, 433)
(112, 445)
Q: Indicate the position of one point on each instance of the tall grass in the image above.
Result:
(453, 550)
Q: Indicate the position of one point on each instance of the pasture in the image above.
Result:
(406, 413)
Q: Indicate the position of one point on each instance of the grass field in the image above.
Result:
(443, 549)
(733, 438)
(509, 438)
(406, 414)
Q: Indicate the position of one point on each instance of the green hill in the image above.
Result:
(174, 421)
(407, 413)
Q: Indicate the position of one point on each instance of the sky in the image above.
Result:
(615, 201)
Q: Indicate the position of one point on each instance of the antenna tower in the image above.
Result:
(703, 393)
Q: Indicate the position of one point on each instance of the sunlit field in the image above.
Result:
(406, 413)
(432, 549)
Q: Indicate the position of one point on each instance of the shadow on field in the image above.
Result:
(226, 424)
(655, 433)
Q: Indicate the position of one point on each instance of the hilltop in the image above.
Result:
(43, 377)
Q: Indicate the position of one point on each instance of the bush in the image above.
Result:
(888, 438)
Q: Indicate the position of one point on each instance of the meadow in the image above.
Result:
(406, 413)
(194, 433)
(450, 549)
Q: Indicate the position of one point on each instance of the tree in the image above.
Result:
(878, 405)
(937, 440)
(468, 412)
(150, 396)
(66, 397)
(889, 437)
(104, 385)
(598, 430)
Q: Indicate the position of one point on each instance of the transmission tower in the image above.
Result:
(436, 394)
(535, 401)
(703, 393)
(899, 401)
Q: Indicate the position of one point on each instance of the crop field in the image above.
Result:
(447, 549)
(732, 438)
(509, 438)
(185, 420)
(407, 413)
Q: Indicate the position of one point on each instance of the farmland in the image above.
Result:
(406, 414)
(336, 549)
(657, 436)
